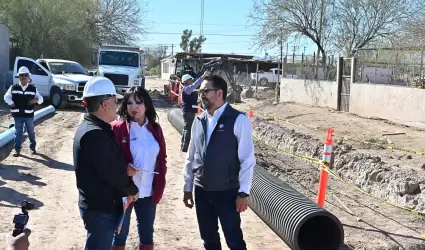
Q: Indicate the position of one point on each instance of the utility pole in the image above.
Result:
(172, 49)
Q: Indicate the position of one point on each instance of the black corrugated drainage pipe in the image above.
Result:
(297, 220)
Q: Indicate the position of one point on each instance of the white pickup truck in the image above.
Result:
(265, 78)
(59, 81)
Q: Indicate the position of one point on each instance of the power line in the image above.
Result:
(169, 44)
(172, 33)
(205, 24)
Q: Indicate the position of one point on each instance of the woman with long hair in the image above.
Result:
(142, 142)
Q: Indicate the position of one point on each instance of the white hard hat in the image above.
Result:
(186, 77)
(23, 70)
(99, 85)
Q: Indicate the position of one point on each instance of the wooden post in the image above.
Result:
(256, 82)
(339, 73)
(276, 89)
(353, 70)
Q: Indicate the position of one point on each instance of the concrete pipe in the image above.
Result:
(247, 93)
(297, 220)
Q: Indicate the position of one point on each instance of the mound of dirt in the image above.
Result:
(368, 223)
(156, 94)
(389, 182)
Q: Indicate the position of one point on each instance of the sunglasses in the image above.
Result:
(23, 75)
(205, 91)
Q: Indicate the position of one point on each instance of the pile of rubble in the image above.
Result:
(155, 94)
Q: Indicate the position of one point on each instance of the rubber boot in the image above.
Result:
(146, 247)
(118, 248)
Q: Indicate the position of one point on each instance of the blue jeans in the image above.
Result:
(100, 228)
(212, 206)
(145, 215)
(19, 130)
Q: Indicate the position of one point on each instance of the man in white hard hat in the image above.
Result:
(102, 179)
(21, 98)
(189, 106)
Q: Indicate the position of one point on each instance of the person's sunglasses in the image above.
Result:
(23, 75)
(205, 91)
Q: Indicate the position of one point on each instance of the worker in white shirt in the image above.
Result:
(21, 98)
(220, 164)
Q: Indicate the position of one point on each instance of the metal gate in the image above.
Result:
(345, 77)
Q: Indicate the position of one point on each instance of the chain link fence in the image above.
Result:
(391, 66)
(305, 67)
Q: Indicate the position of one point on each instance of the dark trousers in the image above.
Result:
(19, 131)
(188, 118)
(212, 206)
(145, 215)
(100, 228)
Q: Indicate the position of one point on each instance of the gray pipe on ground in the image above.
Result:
(297, 220)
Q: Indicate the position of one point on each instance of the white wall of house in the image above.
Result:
(167, 69)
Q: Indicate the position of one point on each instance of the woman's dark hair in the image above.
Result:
(142, 95)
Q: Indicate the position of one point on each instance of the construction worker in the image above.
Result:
(101, 174)
(21, 98)
(220, 164)
(189, 106)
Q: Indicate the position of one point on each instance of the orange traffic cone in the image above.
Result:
(323, 181)
(179, 98)
(251, 114)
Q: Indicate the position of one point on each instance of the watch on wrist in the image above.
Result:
(243, 195)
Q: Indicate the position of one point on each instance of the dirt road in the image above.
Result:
(48, 181)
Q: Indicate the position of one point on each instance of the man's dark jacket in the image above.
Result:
(100, 170)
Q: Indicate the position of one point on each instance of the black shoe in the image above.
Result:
(33, 152)
(17, 154)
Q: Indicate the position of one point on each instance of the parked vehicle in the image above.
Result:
(59, 81)
(264, 79)
(124, 65)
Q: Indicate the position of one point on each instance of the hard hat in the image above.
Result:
(99, 85)
(23, 70)
(186, 77)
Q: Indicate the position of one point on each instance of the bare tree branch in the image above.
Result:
(363, 21)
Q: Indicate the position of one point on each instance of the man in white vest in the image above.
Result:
(21, 98)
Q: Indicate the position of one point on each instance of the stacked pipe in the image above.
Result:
(9, 134)
(297, 220)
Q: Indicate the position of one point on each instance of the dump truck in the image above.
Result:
(124, 65)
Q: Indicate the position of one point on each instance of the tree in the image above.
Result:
(414, 28)
(70, 29)
(154, 56)
(117, 21)
(283, 18)
(341, 24)
(360, 22)
(193, 45)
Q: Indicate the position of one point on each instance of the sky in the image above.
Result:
(226, 26)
